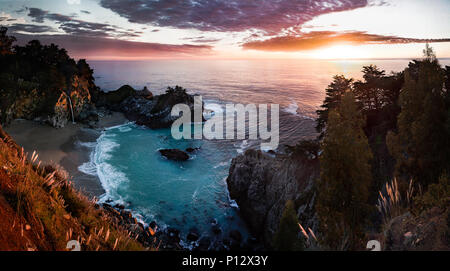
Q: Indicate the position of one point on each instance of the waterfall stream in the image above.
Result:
(71, 108)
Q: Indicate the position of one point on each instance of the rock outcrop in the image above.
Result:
(175, 155)
(261, 184)
(428, 231)
(144, 108)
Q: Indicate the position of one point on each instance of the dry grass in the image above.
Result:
(390, 203)
(40, 210)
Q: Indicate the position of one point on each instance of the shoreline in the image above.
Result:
(62, 146)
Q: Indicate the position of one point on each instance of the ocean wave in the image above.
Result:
(124, 129)
(292, 108)
(89, 145)
(244, 145)
(222, 164)
(98, 165)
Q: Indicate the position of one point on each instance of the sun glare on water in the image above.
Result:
(340, 52)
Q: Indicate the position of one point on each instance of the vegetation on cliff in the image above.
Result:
(42, 81)
(406, 119)
(39, 209)
(345, 177)
(287, 237)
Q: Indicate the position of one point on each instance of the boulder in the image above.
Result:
(174, 154)
(113, 99)
(193, 235)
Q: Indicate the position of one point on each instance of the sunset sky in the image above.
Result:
(228, 29)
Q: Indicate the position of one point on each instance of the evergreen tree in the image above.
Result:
(5, 42)
(334, 93)
(286, 238)
(370, 93)
(345, 177)
(421, 145)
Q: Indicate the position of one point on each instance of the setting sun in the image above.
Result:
(340, 52)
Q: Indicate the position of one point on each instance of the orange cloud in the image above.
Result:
(320, 39)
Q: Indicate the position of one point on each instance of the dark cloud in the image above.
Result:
(37, 14)
(201, 39)
(228, 15)
(320, 39)
(30, 28)
(85, 11)
(106, 48)
(73, 26)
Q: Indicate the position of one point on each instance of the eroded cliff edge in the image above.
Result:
(262, 183)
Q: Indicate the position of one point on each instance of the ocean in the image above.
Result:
(193, 194)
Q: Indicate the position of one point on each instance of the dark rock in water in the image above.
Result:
(261, 184)
(173, 232)
(236, 235)
(113, 99)
(193, 235)
(204, 243)
(174, 236)
(174, 154)
(191, 150)
(148, 110)
(216, 229)
(119, 206)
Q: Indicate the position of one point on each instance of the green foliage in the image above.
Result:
(438, 195)
(421, 145)
(45, 68)
(345, 177)
(334, 93)
(306, 149)
(287, 236)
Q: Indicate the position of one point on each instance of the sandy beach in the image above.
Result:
(62, 146)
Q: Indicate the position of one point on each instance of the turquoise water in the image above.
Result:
(193, 193)
(182, 195)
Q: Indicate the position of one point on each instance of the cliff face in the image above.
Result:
(43, 82)
(262, 183)
(52, 107)
(39, 210)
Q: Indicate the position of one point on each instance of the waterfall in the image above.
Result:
(71, 108)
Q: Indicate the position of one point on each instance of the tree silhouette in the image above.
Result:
(345, 177)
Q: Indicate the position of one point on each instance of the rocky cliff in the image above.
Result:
(144, 108)
(262, 183)
(49, 86)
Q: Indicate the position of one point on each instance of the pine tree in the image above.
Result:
(421, 145)
(345, 177)
(286, 238)
(334, 93)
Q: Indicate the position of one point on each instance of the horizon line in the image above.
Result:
(206, 59)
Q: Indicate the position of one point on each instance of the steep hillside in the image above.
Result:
(39, 210)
